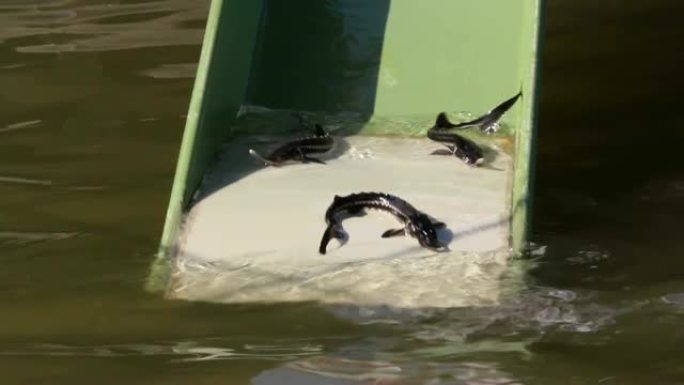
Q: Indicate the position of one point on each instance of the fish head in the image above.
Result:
(469, 154)
(425, 230)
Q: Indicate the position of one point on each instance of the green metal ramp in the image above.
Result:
(375, 74)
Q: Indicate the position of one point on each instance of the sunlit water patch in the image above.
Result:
(24, 181)
(20, 238)
(20, 125)
(342, 371)
(101, 27)
(179, 351)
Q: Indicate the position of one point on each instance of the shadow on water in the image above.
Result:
(609, 169)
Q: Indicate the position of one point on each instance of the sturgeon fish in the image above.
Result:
(299, 149)
(464, 149)
(489, 122)
(416, 223)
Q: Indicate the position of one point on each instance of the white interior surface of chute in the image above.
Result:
(253, 236)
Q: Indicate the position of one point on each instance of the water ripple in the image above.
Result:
(172, 71)
(345, 371)
(69, 26)
(20, 125)
(185, 351)
(20, 238)
(674, 299)
(25, 181)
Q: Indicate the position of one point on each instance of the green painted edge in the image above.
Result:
(523, 173)
(160, 271)
(199, 142)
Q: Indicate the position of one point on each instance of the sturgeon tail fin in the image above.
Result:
(505, 105)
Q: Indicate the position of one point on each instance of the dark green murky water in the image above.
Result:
(92, 103)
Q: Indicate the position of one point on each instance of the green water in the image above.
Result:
(92, 106)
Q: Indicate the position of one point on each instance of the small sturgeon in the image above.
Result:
(299, 149)
(463, 148)
(416, 223)
(489, 122)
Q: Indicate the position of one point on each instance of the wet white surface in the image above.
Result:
(254, 234)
